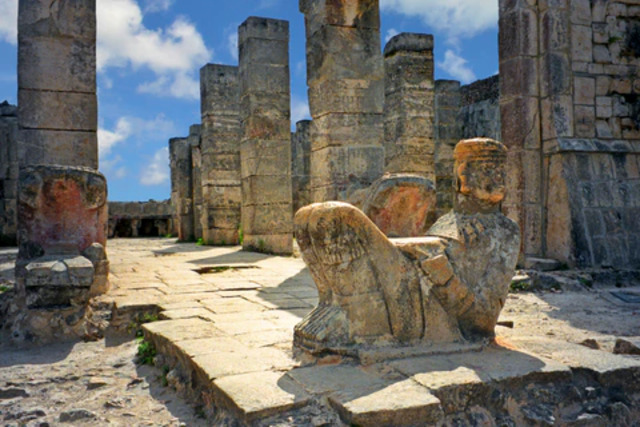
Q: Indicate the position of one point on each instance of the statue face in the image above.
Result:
(483, 180)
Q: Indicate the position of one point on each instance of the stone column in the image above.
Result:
(300, 164)
(265, 152)
(182, 187)
(220, 149)
(447, 133)
(8, 174)
(62, 210)
(409, 105)
(520, 112)
(196, 179)
(345, 76)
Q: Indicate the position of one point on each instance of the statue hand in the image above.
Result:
(438, 269)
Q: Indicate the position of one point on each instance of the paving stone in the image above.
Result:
(334, 378)
(261, 394)
(201, 346)
(266, 338)
(186, 313)
(174, 331)
(221, 364)
(404, 403)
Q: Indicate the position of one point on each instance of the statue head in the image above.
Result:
(479, 171)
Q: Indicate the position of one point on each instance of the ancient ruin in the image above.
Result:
(265, 151)
(446, 287)
(439, 277)
(220, 151)
(62, 199)
(345, 75)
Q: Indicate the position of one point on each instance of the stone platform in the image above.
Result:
(225, 330)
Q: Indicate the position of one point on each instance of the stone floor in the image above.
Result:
(225, 331)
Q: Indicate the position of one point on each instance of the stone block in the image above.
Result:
(344, 165)
(584, 90)
(274, 106)
(420, 128)
(263, 28)
(585, 121)
(281, 244)
(409, 43)
(267, 219)
(518, 34)
(264, 51)
(557, 117)
(346, 96)
(601, 54)
(266, 165)
(403, 403)
(523, 79)
(346, 130)
(556, 75)
(257, 127)
(42, 18)
(256, 149)
(265, 189)
(409, 72)
(57, 64)
(581, 43)
(342, 13)
(62, 147)
(219, 92)
(222, 218)
(555, 31)
(58, 110)
(223, 197)
(258, 395)
(263, 78)
(581, 12)
(411, 102)
(520, 123)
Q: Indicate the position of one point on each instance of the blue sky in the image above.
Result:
(150, 52)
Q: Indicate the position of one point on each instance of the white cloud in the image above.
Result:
(9, 21)
(157, 172)
(455, 18)
(159, 128)
(299, 110)
(157, 5)
(391, 33)
(232, 45)
(456, 66)
(174, 54)
(112, 168)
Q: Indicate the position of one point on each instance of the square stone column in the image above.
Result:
(220, 149)
(182, 188)
(57, 104)
(409, 105)
(345, 76)
(194, 139)
(62, 209)
(265, 152)
(8, 174)
(447, 134)
(300, 164)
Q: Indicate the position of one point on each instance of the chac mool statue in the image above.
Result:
(446, 287)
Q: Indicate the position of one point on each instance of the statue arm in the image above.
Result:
(453, 293)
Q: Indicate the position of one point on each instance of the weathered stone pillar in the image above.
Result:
(345, 75)
(62, 210)
(182, 187)
(265, 152)
(8, 174)
(447, 133)
(300, 164)
(409, 105)
(520, 112)
(220, 149)
(196, 179)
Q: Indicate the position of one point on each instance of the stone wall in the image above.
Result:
(265, 151)
(480, 109)
(300, 164)
(345, 76)
(140, 219)
(220, 151)
(447, 134)
(409, 105)
(570, 116)
(8, 174)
